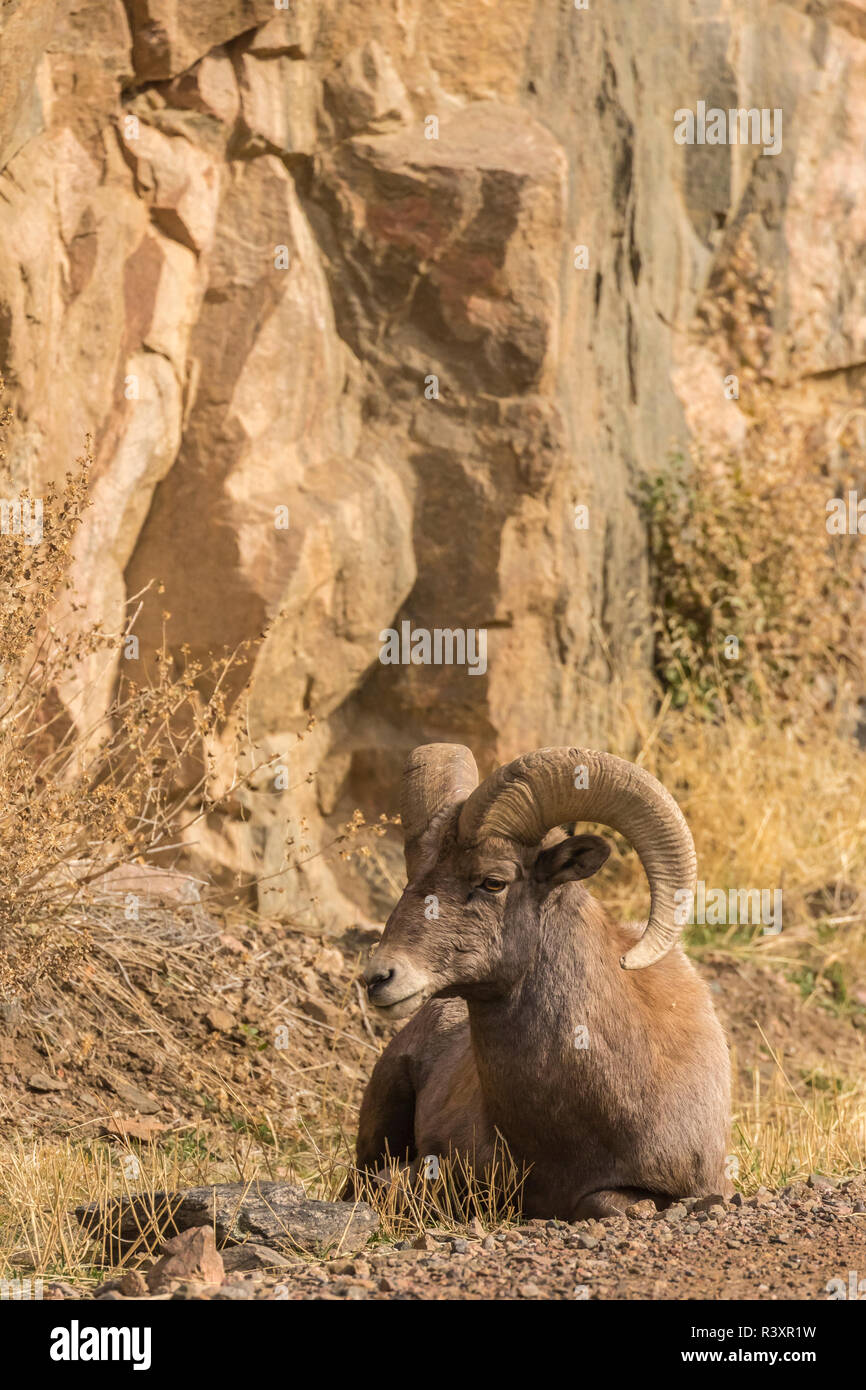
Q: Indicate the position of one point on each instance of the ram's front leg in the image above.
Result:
(386, 1126)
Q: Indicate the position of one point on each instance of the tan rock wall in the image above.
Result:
(230, 252)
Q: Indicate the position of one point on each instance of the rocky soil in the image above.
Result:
(788, 1245)
(185, 1016)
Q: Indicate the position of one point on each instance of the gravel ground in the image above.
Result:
(786, 1245)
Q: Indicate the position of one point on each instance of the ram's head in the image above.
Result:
(484, 861)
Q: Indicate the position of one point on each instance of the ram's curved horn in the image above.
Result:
(528, 797)
(436, 775)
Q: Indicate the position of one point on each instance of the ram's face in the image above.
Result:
(464, 920)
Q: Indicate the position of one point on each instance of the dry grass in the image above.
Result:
(780, 1135)
(43, 1181)
(770, 809)
(784, 1132)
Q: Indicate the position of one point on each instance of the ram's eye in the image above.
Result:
(494, 885)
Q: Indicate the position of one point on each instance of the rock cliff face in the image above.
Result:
(309, 276)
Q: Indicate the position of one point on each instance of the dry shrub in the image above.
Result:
(741, 550)
(76, 801)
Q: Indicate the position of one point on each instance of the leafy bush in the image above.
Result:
(741, 551)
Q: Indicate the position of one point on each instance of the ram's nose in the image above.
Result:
(393, 983)
(376, 978)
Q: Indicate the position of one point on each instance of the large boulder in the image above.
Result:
(272, 1214)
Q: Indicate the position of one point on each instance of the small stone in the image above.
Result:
(192, 1289)
(639, 1211)
(761, 1198)
(706, 1203)
(139, 1100)
(58, 1289)
(315, 1007)
(108, 1286)
(421, 1242)
(795, 1191)
(329, 961)
(191, 1255)
(133, 1284)
(270, 1213)
(235, 1293)
(587, 1242)
(459, 1247)
(674, 1213)
(41, 1081)
(141, 1127)
(253, 1256)
(385, 1285)
(819, 1181)
(488, 1243)
(219, 1020)
(529, 1290)
(231, 943)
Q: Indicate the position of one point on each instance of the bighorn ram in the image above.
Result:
(591, 1047)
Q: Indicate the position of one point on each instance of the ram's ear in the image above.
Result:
(579, 856)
